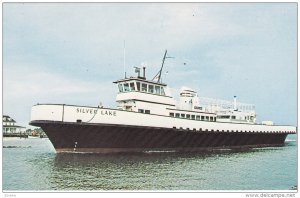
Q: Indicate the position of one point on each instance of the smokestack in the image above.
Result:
(144, 72)
(137, 70)
(234, 103)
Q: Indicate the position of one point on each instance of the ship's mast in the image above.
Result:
(158, 75)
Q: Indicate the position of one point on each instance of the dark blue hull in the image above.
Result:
(99, 138)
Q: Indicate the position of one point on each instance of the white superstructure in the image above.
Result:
(137, 94)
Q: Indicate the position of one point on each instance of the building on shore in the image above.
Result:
(10, 127)
(37, 132)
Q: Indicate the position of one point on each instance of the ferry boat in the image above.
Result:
(148, 118)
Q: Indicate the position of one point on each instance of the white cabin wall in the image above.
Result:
(196, 101)
(140, 96)
(186, 103)
(113, 116)
(154, 108)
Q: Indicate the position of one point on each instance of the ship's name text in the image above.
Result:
(96, 111)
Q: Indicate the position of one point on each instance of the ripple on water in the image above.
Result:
(33, 165)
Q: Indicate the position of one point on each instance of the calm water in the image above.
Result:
(32, 164)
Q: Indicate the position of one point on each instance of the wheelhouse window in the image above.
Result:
(132, 87)
(182, 115)
(151, 90)
(141, 110)
(202, 117)
(197, 117)
(144, 87)
(157, 90)
(138, 84)
(162, 92)
(188, 116)
(120, 88)
(147, 111)
(126, 87)
(193, 117)
(177, 115)
(171, 114)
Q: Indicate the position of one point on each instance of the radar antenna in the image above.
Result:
(157, 77)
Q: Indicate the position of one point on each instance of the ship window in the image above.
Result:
(147, 111)
(132, 88)
(121, 88)
(177, 115)
(197, 117)
(157, 90)
(151, 89)
(211, 118)
(199, 108)
(138, 84)
(188, 116)
(144, 87)
(206, 118)
(141, 110)
(233, 117)
(193, 117)
(182, 115)
(171, 114)
(126, 87)
(224, 117)
(202, 117)
(162, 92)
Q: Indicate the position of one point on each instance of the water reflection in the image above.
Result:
(136, 171)
(63, 160)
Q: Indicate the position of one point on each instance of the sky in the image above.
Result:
(70, 53)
